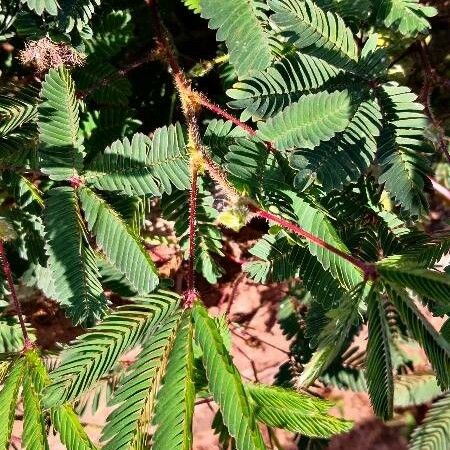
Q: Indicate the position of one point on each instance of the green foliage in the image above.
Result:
(315, 32)
(314, 118)
(137, 391)
(175, 404)
(193, 4)
(11, 339)
(8, 399)
(143, 166)
(408, 17)
(61, 151)
(344, 158)
(280, 260)
(209, 237)
(240, 24)
(94, 354)
(315, 221)
(16, 111)
(266, 93)
(435, 346)
(71, 259)
(331, 339)
(71, 432)
(225, 383)
(415, 389)
(76, 13)
(296, 412)
(118, 242)
(97, 156)
(403, 167)
(427, 283)
(50, 6)
(433, 433)
(34, 436)
(379, 372)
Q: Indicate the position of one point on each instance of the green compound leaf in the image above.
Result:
(118, 242)
(39, 6)
(435, 346)
(344, 158)
(17, 111)
(34, 436)
(331, 339)
(94, 354)
(135, 397)
(404, 167)
(58, 120)
(427, 283)
(379, 371)
(266, 93)
(433, 433)
(296, 412)
(316, 32)
(225, 383)
(143, 166)
(175, 403)
(8, 399)
(408, 17)
(240, 25)
(71, 432)
(304, 124)
(71, 259)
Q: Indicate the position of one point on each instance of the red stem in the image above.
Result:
(193, 198)
(164, 42)
(121, 72)
(431, 80)
(202, 100)
(8, 275)
(368, 270)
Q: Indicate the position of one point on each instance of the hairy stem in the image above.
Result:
(190, 100)
(431, 80)
(8, 275)
(204, 101)
(121, 73)
(368, 270)
(193, 199)
(201, 99)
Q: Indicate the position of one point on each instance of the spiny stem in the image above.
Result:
(8, 275)
(193, 200)
(189, 100)
(121, 72)
(164, 42)
(195, 144)
(201, 99)
(368, 270)
(432, 79)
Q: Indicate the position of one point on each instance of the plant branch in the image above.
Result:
(204, 101)
(201, 99)
(190, 100)
(432, 79)
(191, 294)
(369, 270)
(8, 275)
(121, 73)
